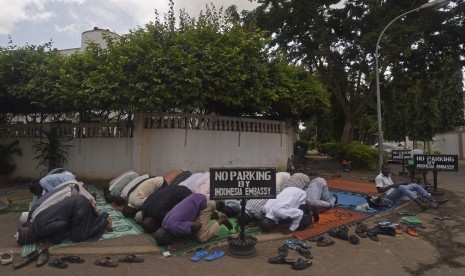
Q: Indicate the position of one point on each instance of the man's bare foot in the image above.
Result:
(110, 224)
(224, 220)
(215, 215)
(195, 227)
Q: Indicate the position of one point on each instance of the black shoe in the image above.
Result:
(341, 233)
(43, 258)
(354, 239)
(27, 260)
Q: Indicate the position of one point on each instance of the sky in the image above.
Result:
(36, 22)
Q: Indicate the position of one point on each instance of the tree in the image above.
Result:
(339, 43)
(211, 65)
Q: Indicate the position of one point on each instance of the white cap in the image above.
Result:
(23, 217)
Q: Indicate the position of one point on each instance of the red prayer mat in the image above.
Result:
(332, 218)
(352, 186)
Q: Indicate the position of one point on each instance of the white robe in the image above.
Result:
(286, 205)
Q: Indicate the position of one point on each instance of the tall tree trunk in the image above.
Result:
(348, 131)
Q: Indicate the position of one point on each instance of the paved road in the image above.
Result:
(440, 250)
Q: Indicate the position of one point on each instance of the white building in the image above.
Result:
(96, 35)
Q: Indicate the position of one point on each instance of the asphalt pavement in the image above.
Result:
(439, 249)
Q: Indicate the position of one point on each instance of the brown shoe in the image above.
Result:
(43, 258)
(26, 260)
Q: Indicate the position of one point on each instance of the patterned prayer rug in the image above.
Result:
(352, 186)
(332, 218)
(351, 207)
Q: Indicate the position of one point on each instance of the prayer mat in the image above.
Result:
(332, 218)
(121, 226)
(357, 202)
(352, 186)
(193, 245)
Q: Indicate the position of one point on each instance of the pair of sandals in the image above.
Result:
(108, 262)
(340, 233)
(322, 241)
(298, 264)
(62, 262)
(208, 256)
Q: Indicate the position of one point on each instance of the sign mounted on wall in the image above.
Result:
(242, 183)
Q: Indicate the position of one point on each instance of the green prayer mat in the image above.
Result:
(193, 245)
(128, 227)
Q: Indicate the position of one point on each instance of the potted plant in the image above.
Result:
(7, 166)
(51, 150)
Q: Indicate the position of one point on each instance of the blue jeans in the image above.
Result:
(408, 191)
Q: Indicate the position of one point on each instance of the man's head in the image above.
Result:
(129, 212)
(149, 225)
(26, 235)
(386, 170)
(267, 225)
(163, 237)
(36, 189)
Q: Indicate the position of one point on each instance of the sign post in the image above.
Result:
(436, 163)
(242, 184)
(402, 156)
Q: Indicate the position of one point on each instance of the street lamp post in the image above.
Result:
(436, 4)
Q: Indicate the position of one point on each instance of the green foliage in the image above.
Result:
(361, 156)
(339, 42)
(51, 151)
(7, 152)
(302, 144)
(211, 64)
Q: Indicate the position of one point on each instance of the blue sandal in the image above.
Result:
(199, 255)
(292, 244)
(214, 255)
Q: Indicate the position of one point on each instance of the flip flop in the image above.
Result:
(324, 241)
(372, 235)
(305, 252)
(441, 218)
(354, 239)
(411, 231)
(106, 261)
(214, 255)
(199, 255)
(6, 257)
(292, 244)
(58, 263)
(73, 259)
(406, 214)
(131, 259)
(279, 260)
(412, 220)
(283, 251)
(301, 264)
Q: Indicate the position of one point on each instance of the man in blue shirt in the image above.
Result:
(49, 182)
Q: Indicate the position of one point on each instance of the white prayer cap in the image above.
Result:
(23, 217)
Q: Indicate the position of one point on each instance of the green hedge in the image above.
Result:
(361, 156)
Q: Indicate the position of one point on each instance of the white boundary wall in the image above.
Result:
(446, 143)
(159, 143)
